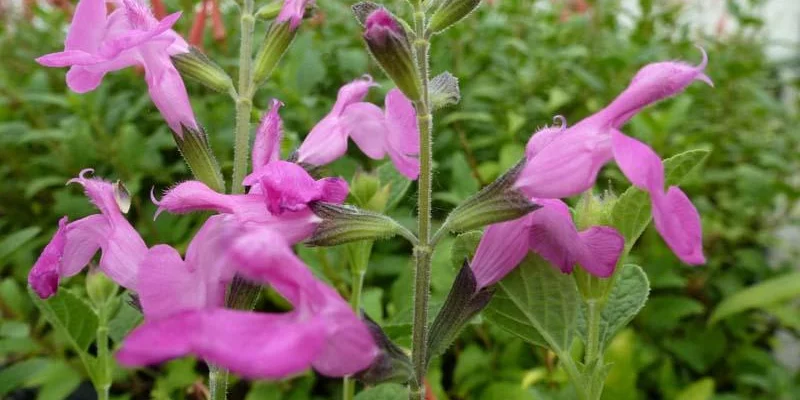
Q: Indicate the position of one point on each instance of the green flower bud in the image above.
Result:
(344, 224)
(444, 91)
(498, 202)
(388, 43)
(100, 288)
(279, 37)
(196, 66)
(450, 12)
(198, 155)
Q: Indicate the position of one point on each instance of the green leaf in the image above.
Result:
(700, 390)
(73, 319)
(14, 376)
(537, 303)
(464, 248)
(14, 241)
(627, 298)
(398, 184)
(387, 391)
(762, 295)
(665, 312)
(631, 212)
(123, 322)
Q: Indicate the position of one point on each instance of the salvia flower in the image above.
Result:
(564, 161)
(98, 43)
(550, 232)
(388, 43)
(184, 314)
(293, 12)
(75, 243)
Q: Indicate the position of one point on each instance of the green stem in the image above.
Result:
(103, 377)
(349, 390)
(593, 328)
(575, 376)
(217, 382)
(422, 252)
(244, 103)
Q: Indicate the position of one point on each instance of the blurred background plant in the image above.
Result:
(729, 330)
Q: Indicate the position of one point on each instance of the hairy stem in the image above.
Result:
(422, 252)
(244, 103)
(217, 383)
(103, 379)
(349, 390)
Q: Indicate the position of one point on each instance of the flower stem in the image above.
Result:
(103, 378)
(349, 390)
(422, 252)
(244, 103)
(217, 383)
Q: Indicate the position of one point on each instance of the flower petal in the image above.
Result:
(640, 164)
(82, 80)
(88, 26)
(553, 234)
(289, 187)
(604, 246)
(402, 137)
(267, 144)
(192, 196)
(501, 249)
(254, 345)
(166, 89)
(44, 276)
(84, 238)
(567, 166)
(365, 124)
(543, 137)
(167, 285)
(326, 142)
(678, 222)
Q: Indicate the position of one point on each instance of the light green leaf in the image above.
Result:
(464, 248)
(699, 390)
(14, 241)
(537, 303)
(123, 322)
(631, 212)
(14, 376)
(387, 391)
(762, 295)
(627, 298)
(398, 184)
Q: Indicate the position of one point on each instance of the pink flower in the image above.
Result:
(292, 12)
(98, 43)
(563, 161)
(75, 243)
(183, 306)
(327, 141)
(394, 131)
(549, 232)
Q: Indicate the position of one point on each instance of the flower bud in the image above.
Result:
(196, 66)
(195, 149)
(344, 224)
(269, 11)
(444, 90)
(100, 288)
(388, 43)
(498, 202)
(450, 12)
(391, 364)
(464, 301)
(368, 193)
(279, 37)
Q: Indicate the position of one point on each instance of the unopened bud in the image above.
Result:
(344, 224)
(196, 66)
(463, 302)
(194, 147)
(269, 11)
(100, 288)
(388, 43)
(450, 12)
(444, 91)
(498, 202)
(391, 364)
(279, 37)
(368, 193)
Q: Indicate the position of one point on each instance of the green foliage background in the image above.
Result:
(519, 64)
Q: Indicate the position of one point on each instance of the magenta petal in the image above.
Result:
(84, 238)
(604, 246)
(88, 26)
(81, 80)
(288, 187)
(326, 142)
(44, 275)
(640, 164)
(365, 124)
(333, 190)
(267, 144)
(501, 249)
(567, 166)
(678, 222)
(167, 90)
(100, 192)
(192, 196)
(167, 285)
(292, 12)
(349, 347)
(403, 133)
(553, 234)
(351, 93)
(68, 58)
(254, 345)
(543, 137)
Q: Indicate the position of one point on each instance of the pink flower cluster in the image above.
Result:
(562, 162)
